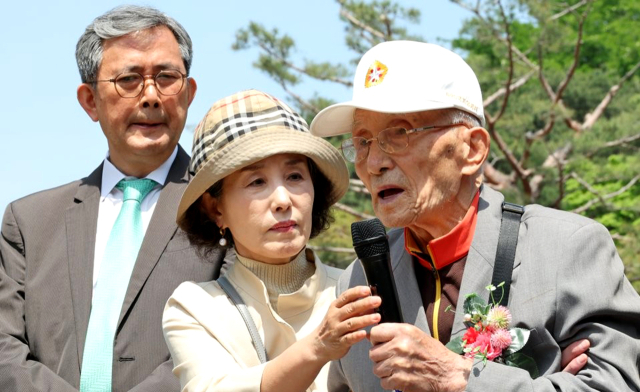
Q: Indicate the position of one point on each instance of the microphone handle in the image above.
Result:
(379, 275)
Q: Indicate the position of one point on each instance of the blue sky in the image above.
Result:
(46, 139)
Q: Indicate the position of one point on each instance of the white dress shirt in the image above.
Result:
(111, 203)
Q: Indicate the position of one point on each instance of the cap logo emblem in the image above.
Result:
(463, 100)
(375, 74)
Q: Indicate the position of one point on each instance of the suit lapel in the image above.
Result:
(481, 258)
(407, 286)
(161, 229)
(81, 224)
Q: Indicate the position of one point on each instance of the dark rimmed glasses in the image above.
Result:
(391, 140)
(131, 84)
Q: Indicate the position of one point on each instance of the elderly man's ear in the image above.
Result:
(477, 143)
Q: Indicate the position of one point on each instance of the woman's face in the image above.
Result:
(267, 207)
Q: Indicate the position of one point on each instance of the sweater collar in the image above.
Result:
(281, 278)
(288, 304)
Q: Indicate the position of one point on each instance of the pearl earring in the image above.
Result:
(223, 241)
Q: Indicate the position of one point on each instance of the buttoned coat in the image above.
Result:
(568, 284)
(46, 279)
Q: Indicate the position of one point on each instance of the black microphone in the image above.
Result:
(372, 247)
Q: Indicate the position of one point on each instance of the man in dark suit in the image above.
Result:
(57, 245)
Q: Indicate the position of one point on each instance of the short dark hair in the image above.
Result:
(204, 233)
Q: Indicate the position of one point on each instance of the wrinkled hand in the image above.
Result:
(574, 356)
(342, 326)
(407, 359)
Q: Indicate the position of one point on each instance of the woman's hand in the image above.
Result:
(343, 325)
(574, 356)
(297, 367)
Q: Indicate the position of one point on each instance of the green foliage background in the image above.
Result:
(596, 170)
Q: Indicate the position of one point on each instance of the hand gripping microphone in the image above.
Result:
(372, 247)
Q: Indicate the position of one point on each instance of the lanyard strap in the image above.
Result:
(506, 253)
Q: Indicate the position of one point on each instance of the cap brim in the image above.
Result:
(337, 119)
(250, 148)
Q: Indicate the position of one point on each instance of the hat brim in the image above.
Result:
(337, 119)
(255, 146)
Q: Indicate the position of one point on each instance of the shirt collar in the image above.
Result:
(449, 248)
(111, 175)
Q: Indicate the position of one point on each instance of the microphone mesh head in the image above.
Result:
(369, 238)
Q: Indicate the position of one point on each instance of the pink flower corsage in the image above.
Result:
(488, 336)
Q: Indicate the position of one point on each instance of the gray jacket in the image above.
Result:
(46, 272)
(568, 284)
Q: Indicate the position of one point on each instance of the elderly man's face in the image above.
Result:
(418, 185)
(143, 131)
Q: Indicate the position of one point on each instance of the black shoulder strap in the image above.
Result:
(506, 253)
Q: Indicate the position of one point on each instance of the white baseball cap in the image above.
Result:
(405, 77)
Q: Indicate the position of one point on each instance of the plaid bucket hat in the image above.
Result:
(249, 126)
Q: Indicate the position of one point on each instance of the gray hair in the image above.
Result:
(121, 21)
(454, 116)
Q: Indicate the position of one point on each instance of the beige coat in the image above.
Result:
(210, 344)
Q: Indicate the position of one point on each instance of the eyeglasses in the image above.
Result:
(390, 140)
(131, 84)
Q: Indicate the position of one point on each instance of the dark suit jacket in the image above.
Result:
(46, 270)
